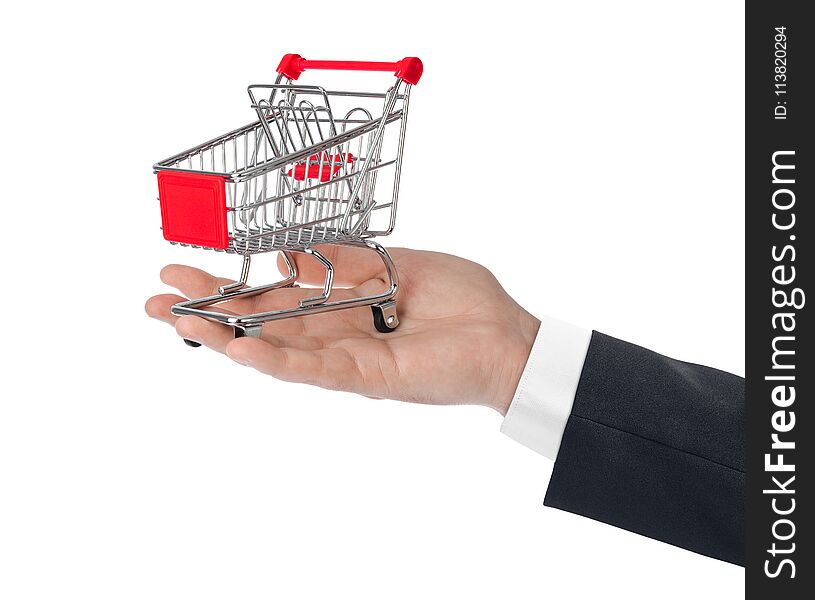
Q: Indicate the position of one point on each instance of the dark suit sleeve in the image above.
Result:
(655, 446)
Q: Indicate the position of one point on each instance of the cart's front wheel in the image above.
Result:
(385, 317)
(248, 331)
(192, 344)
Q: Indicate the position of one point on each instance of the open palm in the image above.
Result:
(461, 340)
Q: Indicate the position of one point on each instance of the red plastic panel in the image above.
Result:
(193, 209)
(330, 167)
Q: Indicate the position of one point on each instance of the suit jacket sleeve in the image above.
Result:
(655, 446)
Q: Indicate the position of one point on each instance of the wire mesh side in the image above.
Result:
(302, 175)
(276, 209)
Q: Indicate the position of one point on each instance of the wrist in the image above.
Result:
(514, 354)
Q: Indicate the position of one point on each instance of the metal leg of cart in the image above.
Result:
(383, 305)
(236, 290)
(385, 316)
(241, 282)
(329, 280)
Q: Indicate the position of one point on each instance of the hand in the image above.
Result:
(461, 340)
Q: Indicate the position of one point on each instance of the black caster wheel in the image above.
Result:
(250, 331)
(385, 317)
(192, 344)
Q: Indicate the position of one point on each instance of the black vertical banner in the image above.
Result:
(780, 170)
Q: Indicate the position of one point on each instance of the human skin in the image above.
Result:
(461, 338)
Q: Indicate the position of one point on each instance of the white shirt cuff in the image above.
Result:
(543, 401)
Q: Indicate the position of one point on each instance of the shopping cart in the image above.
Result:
(316, 167)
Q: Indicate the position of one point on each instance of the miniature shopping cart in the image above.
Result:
(316, 167)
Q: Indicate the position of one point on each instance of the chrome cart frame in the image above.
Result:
(297, 177)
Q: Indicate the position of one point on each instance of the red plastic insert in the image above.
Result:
(330, 167)
(193, 209)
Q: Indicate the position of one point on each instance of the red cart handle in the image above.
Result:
(409, 69)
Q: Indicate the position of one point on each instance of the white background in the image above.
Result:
(132, 466)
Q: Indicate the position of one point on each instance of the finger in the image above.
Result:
(300, 342)
(159, 307)
(210, 334)
(192, 282)
(352, 265)
(331, 368)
